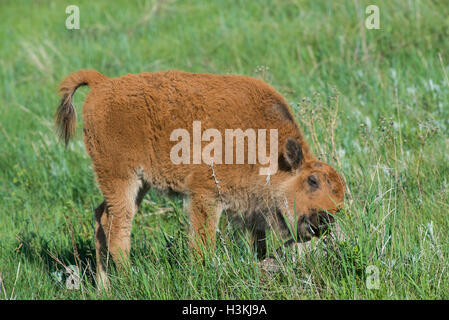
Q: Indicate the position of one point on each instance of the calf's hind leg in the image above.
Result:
(101, 246)
(114, 222)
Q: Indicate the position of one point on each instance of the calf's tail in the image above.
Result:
(65, 116)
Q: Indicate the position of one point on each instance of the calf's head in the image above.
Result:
(314, 193)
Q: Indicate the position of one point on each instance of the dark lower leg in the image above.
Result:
(101, 247)
(259, 240)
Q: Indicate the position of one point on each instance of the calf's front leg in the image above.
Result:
(204, 215)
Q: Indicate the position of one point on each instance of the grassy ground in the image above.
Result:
(373, 103)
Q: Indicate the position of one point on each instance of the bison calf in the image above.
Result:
(136, 128)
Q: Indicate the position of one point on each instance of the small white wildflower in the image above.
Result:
(433, 86)
(411, 90)
(393, 76)
(395, 125)
(430, 228)
(368, 122)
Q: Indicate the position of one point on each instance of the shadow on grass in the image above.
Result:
(58, 256)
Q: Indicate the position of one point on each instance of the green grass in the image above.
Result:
(373, 103)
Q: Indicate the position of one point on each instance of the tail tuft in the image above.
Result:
(65, 117)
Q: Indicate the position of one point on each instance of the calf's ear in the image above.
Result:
(293, 153)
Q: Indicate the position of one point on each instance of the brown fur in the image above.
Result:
(127, 127)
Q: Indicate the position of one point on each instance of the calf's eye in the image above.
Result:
(312, 180)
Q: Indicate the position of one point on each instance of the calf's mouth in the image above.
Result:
(314, 225)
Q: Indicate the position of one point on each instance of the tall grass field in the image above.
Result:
(373, 103)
